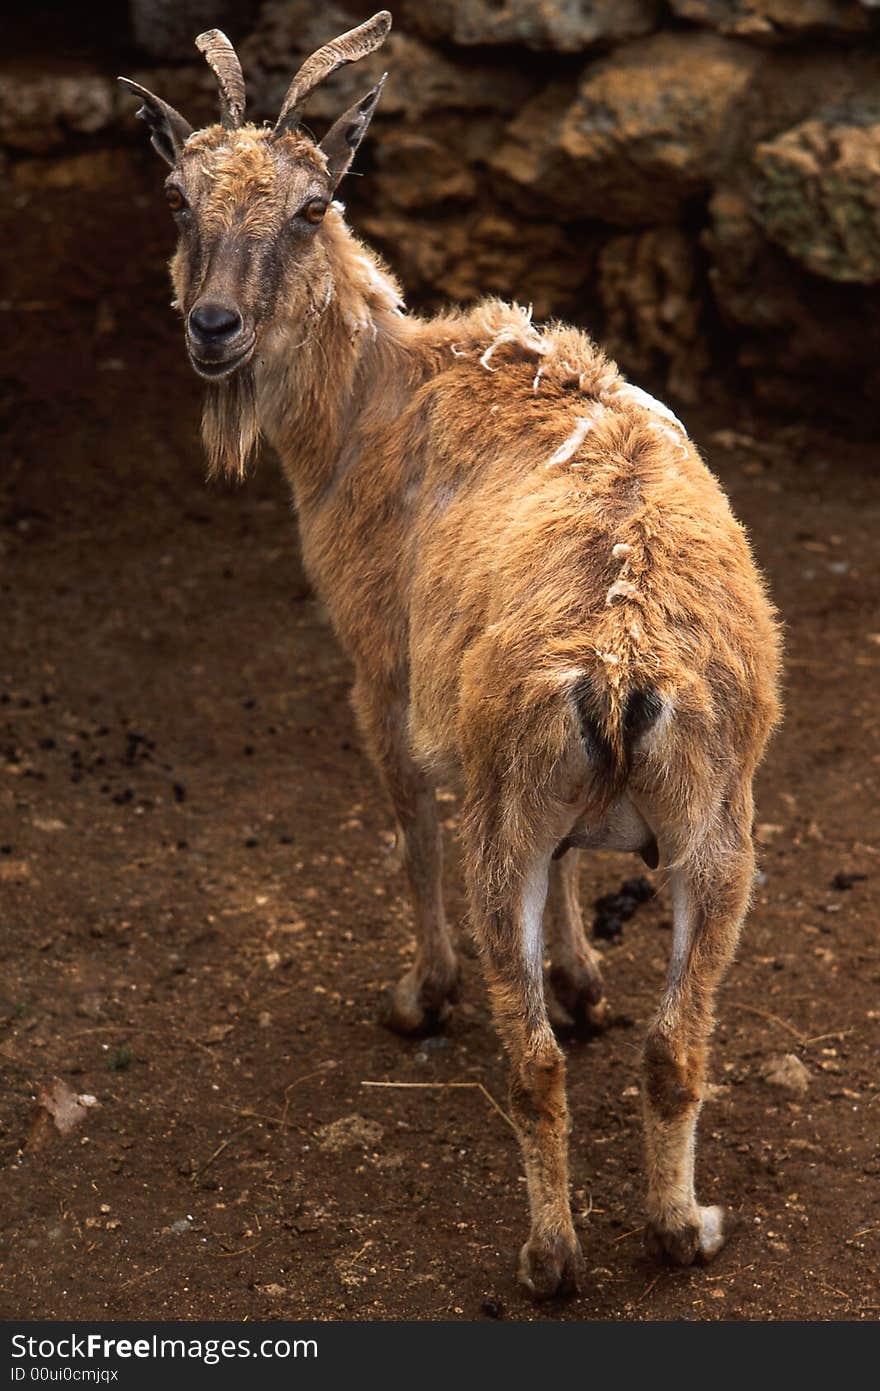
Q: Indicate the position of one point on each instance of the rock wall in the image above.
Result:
(697, 181)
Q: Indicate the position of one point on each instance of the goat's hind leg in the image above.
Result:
(420, 1001)
(578, 993)
(508, 929)
(709, 903)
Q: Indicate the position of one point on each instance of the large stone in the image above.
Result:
(534, 263)
(800, 340)
(460, 259)
(416, 171)
(88, 171)
(568, 26)
(817, 194)
(43, 113)
(648, 129)
(771, 20)
(420, 79)
(654, 302)
(167, 28)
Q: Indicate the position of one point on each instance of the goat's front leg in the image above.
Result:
(420, 1000)
(575, 974)
(709, 904)
(508, 928)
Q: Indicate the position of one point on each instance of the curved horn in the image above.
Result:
(222, 59)
(357, 43)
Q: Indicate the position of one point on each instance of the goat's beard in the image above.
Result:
(230, 425)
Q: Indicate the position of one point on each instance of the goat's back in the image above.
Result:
(569, 540)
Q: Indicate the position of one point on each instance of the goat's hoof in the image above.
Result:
(414, 1008)
(577, 1007)
(694, 1242)
(551, 1266)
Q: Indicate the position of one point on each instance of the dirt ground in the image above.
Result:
(199, 917)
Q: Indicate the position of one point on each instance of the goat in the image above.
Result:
(544, 594)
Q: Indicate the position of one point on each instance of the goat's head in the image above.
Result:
(249, 201)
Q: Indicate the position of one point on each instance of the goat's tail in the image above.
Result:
(611, 723)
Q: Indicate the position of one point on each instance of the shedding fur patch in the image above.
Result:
(621, 589)
(638, 397)
(570, 446)
(521, 332)
(671, 435)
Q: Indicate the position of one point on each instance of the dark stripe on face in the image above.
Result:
(190, 261)
(229, 264)
(272, 264)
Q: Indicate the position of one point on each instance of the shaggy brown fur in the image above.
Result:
(545, 597)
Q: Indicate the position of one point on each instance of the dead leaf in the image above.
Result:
(57, 1106)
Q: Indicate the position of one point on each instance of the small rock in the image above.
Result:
(787, 1072)
(349, 1132)
(766, 832)
(216, 1034)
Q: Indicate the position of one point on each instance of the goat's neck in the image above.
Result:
(318, 379)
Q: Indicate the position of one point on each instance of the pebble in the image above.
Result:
(787, 1072)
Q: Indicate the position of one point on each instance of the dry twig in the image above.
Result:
(440, 1086)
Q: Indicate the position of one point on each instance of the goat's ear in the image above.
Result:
(169, 131)
(344, 136)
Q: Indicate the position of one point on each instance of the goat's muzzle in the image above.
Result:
(218, 339)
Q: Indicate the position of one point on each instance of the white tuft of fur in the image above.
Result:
(638, 397)
(572, 444)
(621, 589)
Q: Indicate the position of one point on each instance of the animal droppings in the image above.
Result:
(843, 880)
(613, 910)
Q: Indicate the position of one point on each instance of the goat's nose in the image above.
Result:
(214, 322)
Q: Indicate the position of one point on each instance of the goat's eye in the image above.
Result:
(176, 200)
(315, 210)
